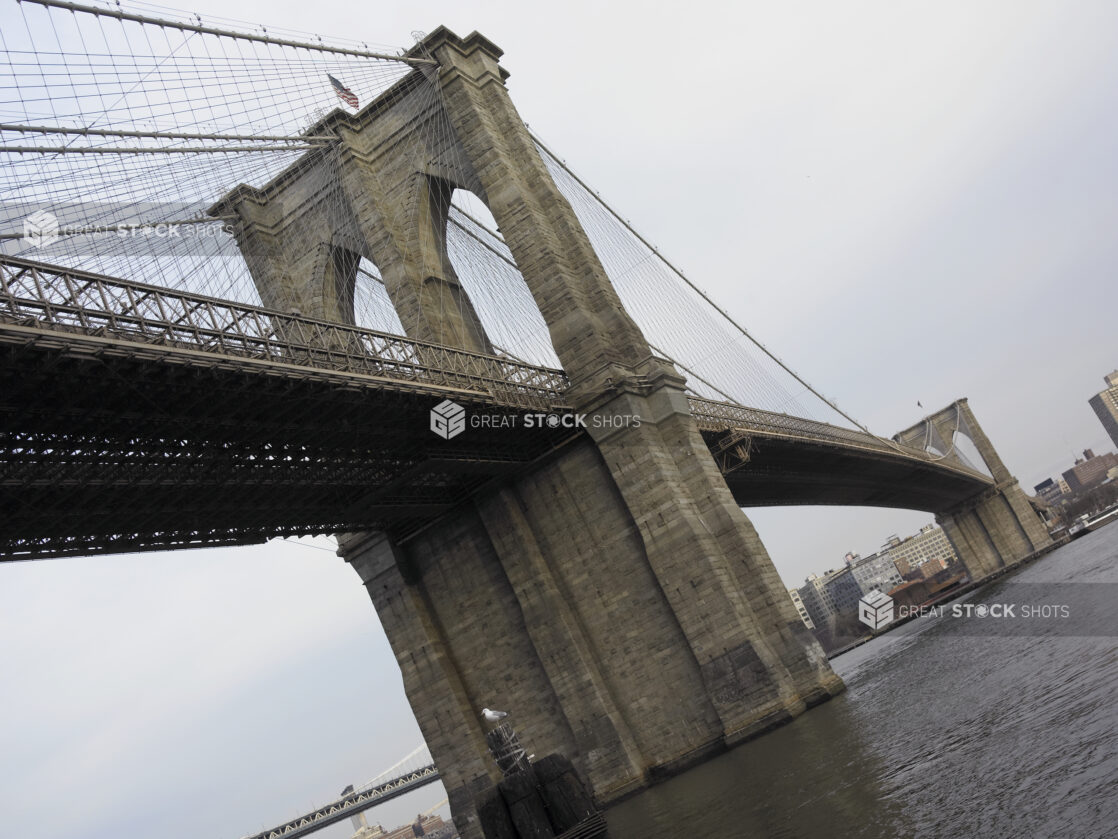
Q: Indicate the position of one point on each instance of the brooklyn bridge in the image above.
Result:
(224, 322)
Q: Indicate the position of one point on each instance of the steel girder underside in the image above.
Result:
(109, 447)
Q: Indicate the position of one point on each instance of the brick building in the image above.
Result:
(1090, 470)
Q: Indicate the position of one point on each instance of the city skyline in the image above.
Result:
(905, 204)
(853, 556)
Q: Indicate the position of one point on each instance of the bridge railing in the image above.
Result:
(714, 416)
(62, 299)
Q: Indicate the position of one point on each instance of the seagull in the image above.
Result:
(493, 716)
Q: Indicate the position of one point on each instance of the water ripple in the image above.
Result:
(941, 733)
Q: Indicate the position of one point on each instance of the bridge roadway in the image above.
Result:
(134, 417)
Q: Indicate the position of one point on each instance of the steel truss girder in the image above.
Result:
(134, 417)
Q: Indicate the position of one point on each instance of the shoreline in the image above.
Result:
(953, 595)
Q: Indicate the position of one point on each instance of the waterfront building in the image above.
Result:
(930, 543)
(361, 827)
(815, 603)
(424, 825)
(876, 573)
(1090, 470)
(840, 591)
(824, 598)
(1050, 490)
(1105, 405)
(827, 595)
(801, 609)
(831, 600)
(933, 567)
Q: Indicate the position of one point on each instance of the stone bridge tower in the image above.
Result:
(996, 529)
(615, 599)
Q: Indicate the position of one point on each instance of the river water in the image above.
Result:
(949, 727)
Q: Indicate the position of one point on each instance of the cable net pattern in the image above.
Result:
(127, 133)
(173, 119)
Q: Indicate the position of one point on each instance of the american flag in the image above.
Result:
(344, 93)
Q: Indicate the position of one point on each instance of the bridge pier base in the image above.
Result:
(996, 531)
(614, 598)
(615, 601)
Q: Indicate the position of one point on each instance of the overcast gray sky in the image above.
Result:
(908, 201)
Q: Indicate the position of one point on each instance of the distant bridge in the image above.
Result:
(351, 804)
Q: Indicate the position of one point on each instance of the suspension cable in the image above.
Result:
(120, 14)
(704, 295)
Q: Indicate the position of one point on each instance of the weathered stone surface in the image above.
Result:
(996, 529)
(614, 599)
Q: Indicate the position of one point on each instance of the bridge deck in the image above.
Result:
(777, 460)
(134, 417)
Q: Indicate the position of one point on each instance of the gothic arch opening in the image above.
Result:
(488, 275)
(372, 307)
(968, 453)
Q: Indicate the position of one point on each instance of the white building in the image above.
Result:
(798, 602)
